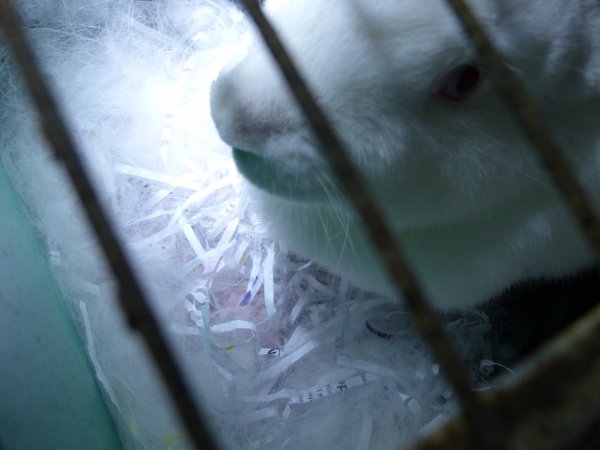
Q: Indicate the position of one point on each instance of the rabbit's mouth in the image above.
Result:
(293, 179)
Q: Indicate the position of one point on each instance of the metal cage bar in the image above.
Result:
(401, 274)
(131, 294)
(533, 125)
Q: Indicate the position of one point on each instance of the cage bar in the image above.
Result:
(131, 294)
(399, 270)
(533, 125)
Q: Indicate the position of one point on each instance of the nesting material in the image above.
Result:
(281, 353)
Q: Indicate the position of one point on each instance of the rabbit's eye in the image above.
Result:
(461, 82)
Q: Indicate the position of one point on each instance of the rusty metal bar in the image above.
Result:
(397, 266)
(131, 295)
(552, 402)
(533, 125)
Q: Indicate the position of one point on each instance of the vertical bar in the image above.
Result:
(533, 125)
(405, 281)
(132, 298)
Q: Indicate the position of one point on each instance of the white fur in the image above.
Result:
(459, 184)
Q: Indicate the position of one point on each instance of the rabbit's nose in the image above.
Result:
(224, 106)
(235, 112)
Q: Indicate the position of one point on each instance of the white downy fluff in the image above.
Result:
(461, 187)
(283, 354)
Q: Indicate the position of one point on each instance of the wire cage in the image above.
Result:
(516, 415)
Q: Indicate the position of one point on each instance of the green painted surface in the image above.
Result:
(49, 398)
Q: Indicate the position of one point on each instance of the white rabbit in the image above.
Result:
(438, 148)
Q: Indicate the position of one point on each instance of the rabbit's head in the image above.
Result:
(421, 120)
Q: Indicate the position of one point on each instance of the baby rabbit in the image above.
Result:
(439, 150)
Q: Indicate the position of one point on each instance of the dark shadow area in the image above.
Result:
(528, 314)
